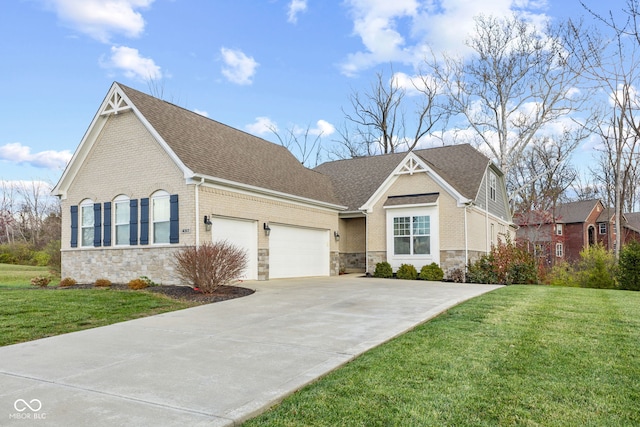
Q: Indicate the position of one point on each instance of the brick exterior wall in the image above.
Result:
(125, 160)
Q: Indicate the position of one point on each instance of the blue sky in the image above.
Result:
(249, 64)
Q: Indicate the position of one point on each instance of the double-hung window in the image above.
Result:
(493, 185)
(87, 223)
(603, 228)
(161, 216)
(412, 235)
(122, 216)
(559, 250)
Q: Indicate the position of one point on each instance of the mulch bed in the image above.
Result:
(184, 293)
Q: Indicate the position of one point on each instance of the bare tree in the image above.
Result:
(616, 70)
(378, 121)
(519, 81)
(305, 144)
(543, 175)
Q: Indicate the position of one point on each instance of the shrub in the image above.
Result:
(383, 269)
(456, 275)
(41, 281)
(407, 272)
(628, 273)
(40, 258)
(16, 253)
(55, 258)
(596, 268)
(506, 264)
(210, 265)
(148, 281)
(138, 283)
(67, 281)
(432, 272)
(481, 270)
(7, 258)
(102, 283)
(563, 274)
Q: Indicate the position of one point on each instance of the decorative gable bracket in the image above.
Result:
(115, 105)
(410, 167)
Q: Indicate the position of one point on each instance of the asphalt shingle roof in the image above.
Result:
(211, 148)
(355, 180)
(572, 212)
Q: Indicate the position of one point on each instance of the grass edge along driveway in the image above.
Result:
(520, 355)
(29, 314)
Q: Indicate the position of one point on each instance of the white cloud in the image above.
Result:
(238, 68)
(201, 112)
(49, 159)
(100, 19)
(133, 65)
(262, 126)
(296, 7)
(323, 128)
(402, 30)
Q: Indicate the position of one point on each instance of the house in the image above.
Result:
(150, 178)
(561, 234)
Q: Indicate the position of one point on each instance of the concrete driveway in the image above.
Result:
(216, 364)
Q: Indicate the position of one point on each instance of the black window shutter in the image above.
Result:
(174, 233)
(97, 224)
(106, 241)
(133, 222)
(144, 221)
(74, 226)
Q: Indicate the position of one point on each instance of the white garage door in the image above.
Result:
(298, 252)
(243, 234)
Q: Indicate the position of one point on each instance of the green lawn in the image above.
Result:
(20, 275)
(521, 355)
(28, 314)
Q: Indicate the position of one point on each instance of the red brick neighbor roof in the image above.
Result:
(632, 220)
(573, 212)
(211, 148)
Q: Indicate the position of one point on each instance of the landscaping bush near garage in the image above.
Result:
(431, 272)
(407, 272)
(505, 264)
(383, 270)
(210, 265)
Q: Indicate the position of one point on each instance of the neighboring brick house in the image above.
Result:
(149, 178)
(562, 234)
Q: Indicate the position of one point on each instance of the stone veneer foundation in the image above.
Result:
(121, 265)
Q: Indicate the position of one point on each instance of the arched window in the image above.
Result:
(161, 217)
(121, 216)
(87, 218)
(592, 235)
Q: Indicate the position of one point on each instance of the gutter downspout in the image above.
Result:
(197, 186)
(486, 211)
(466, 241)
(366, 243)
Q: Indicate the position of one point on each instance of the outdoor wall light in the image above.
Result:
(336, 235)
(207, 223)
(267, 229)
